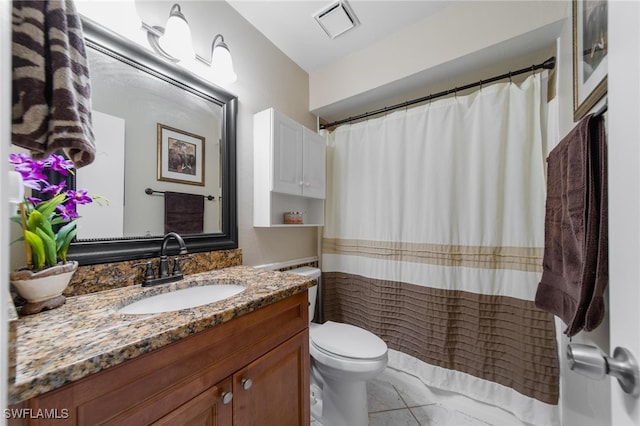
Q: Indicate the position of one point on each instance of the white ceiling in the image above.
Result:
(291, 26)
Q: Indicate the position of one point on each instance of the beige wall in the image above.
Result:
(266, 78)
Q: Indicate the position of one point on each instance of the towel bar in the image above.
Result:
(150, 191)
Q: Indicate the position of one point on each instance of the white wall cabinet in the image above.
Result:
(289, 171)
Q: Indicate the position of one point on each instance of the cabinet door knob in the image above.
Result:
(301, 183)
(246, 384)
(226, 397)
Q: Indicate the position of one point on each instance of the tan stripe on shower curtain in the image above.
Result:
(517, 258)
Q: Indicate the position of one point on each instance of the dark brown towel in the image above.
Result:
(51, 88)
(183, 213)
(575, 261)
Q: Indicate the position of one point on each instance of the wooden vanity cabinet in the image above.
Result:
(274, 396)
(252, 370)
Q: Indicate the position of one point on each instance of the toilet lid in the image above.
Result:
(347, 341)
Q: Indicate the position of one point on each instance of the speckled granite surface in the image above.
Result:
(87, 334)
(107, 276)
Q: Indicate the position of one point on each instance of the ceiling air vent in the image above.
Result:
(337, 19)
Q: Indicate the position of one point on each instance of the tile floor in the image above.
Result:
(399, 399)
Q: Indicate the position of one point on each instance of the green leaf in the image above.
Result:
(17, 240)
(57, 220)
(62, 237)
(51, 258)
(64, 247)
(34, 220)
(45, 225)
(49, 206)
(37, 248)
(64, 231)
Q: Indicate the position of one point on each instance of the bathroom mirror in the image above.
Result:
(144, 106)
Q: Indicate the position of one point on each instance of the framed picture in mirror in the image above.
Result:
(590, 46)
(180, 156)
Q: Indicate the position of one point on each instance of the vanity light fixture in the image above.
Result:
(172, 42)
(175, 44)
(221, 57)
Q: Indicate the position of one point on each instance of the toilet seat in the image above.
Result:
(347, 341)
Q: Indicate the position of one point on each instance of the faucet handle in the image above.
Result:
(176, 266)
(148, 273)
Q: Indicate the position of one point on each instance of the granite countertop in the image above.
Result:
(87, 334)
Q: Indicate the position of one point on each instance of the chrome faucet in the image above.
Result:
(163, 270)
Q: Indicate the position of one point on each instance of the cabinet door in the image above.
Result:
(287, 155)
(274, 389)
(313, 164)
(212, 407)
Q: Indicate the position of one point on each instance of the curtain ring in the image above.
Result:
(480, 84)
(510, 81)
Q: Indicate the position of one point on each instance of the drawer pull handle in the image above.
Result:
(246, 384)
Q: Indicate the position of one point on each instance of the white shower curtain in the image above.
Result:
(434, 239)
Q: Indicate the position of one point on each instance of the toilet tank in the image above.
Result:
(313, 291)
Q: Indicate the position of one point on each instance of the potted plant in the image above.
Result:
(48, 227)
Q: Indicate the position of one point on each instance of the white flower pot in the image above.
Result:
(43, 285)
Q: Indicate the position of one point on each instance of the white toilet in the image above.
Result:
(343, 358)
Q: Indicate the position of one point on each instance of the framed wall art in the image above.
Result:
(590, 46)
(180, 156)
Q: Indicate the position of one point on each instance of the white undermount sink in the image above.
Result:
(185, 298)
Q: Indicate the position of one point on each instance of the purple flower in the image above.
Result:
(59, 164)
(30, 170)
(30, 182)
(79, 197)
(67, 211)
(33, 200)
(54, 189)
(17, 159)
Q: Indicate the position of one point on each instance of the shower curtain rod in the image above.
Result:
(547, 65)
